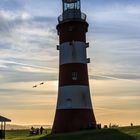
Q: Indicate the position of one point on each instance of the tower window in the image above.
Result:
(74, 76)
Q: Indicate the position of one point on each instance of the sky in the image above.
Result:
(28, 56)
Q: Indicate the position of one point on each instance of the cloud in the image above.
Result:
(15, 71)
(114, 88)
(28, 54)
(13, 5)
(21, 95)
(29, 40)
(121, 77)
(129, 103)
(28, 101)
(28, 36)
(44, 8)
(33, 38)
(114, 39)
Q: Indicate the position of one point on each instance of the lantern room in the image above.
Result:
(71, 11)
(71, 4)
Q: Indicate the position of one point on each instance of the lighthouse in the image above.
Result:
(74, 110)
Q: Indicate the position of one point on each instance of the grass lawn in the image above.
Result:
(132, 131)
(123, 133)
(22, 135)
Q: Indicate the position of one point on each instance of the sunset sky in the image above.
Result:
(28, 56)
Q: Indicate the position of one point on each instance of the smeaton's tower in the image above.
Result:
(74, 108)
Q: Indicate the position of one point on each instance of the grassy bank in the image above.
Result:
(124, 133)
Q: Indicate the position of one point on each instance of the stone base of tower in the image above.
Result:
(70, 120)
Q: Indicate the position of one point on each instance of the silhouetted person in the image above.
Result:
(32, 130)
(41, 130)
(99, 126)
(46, 131)
(131, 124)
(105, 126)
(37, 131)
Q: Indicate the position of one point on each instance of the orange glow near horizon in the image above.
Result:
(113, 102)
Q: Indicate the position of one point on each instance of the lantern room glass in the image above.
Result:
(71, 4)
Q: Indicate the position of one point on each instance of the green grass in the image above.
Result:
(22, 135)
(124, 133)
(132, 131)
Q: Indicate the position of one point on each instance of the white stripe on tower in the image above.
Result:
(73, 52)
(74, 97)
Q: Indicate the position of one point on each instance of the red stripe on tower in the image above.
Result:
(74, 108)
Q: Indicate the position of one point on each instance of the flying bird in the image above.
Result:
(38, 84)
(34, 86)
(42, 83)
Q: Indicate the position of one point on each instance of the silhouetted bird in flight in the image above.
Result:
(35, 86)
(38, 84)
(42, 83)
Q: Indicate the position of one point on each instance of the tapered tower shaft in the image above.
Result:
(74, 108)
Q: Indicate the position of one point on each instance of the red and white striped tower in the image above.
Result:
(74, 109)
